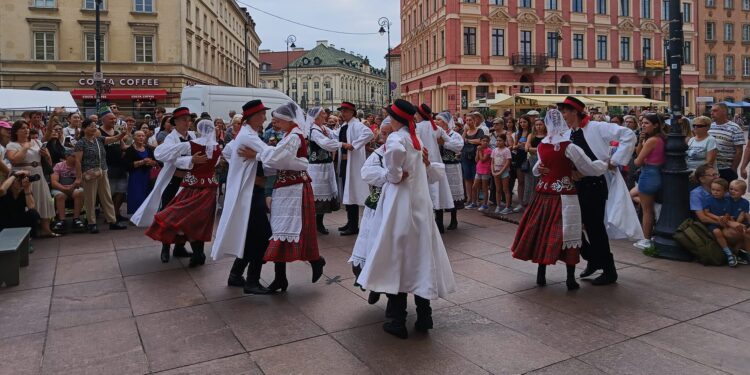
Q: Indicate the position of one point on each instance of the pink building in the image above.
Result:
(456, 51)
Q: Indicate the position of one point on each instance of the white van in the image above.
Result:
(219, 100)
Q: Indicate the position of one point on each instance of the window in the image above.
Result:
(470, 1)
(434, 48)
(746, 66)
(625, 48)
(625, 8)
(470, 40)
(189, 9)
(647, 48)
(91, 5)
(710, 3)
(687, 13)
(316, 85)
(576, 6)
(498, 42)
(552, 44)
(524, 3)
(578, 46)
(710, 65)
(90, 41)
(442, 43)
(44, 45)
(710, 31)
(729, 65)
(728, 32)
(728, 4)
(44, 3)
(601, 6)
(497, 2)
(144, 48)
(687, 53)
(745, 32)
(144, 6)
(304, 85)
(551, 4)
(665, 9)
(525, 43)
(601, 47)
(645, 8)
(189, 48)
(745, 5)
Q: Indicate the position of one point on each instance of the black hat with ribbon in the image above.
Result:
(403, 112)
(348, 105)
(426, 112)
(252, 107)
(572, 102)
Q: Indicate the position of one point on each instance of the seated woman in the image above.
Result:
(17, 203)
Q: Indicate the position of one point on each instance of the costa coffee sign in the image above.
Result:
(122, 82)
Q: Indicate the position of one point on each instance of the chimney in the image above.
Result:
(298, 49)
(322, 42)
(343, 49)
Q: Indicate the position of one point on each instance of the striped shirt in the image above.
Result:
(728, 136)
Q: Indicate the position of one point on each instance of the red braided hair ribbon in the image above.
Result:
(412, 126)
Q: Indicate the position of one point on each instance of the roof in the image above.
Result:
(326, 56)
(395, 51)
(277, 60)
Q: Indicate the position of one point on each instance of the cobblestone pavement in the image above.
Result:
(105, 304)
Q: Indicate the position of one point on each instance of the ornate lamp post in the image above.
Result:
(385, 27)
(98, 78)
(289, 43)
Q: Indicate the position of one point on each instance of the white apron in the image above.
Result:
(323, 176)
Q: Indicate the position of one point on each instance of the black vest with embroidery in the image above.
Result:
(316, 154)
(449, 157)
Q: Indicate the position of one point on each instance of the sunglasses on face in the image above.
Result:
(700, 126)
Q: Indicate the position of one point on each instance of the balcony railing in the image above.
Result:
(531, 60)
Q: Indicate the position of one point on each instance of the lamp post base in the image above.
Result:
(668, 248)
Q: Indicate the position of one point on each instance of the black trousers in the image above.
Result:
(592, 197)
(257, 236)
(28, 218)
(170, 191)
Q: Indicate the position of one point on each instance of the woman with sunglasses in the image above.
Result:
(702, 146)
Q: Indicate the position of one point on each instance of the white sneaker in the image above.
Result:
(506, 211)
(518, 208)
(643, 244)
(498, 210)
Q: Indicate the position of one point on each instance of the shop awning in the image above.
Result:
(627, 100)
(116, 94)
(482, 103)
(545, 100)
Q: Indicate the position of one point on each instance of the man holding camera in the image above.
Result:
(17, 203)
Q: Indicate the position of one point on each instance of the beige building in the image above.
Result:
(325, 76)
(394, 64)
(150, 49)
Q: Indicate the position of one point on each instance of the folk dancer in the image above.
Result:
(450, 152)
(169, 179)
(407, 254)
(430, 135)
(190, 214)
(594, 138)
(320, 168)
(293, 203)
(354, 137)
(550, 228)
(244, 230)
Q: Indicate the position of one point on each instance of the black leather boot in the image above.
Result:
(198, 258)
(424, 314)
(439, 221)
(570, 282)
(319, 223)
(165, 253)
(235, 274)
(609, 276)
(253, 286)
(352, 220)
(541, 275)
(397, 311)
(373, 298)
(279, 280)
(454, 220)
(317, 268)
(590, 269)
(180, 251)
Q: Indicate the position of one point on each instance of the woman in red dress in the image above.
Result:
(191, 213)
(551, 228)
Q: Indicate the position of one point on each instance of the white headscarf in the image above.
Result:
(557, 128)
(312, 114)
(207, 136)
(386, 121)
(291, 112)
(448, 119)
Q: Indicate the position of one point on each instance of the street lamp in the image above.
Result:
(98, 79)
(385, 26)
(289, 43)
(664, 71)
(558, 38)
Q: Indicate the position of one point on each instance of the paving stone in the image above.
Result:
(561, 331)
(38, 274)
(332, 307)
(263, 321)
(24, 312)
(211, 279)
(161, 291)
(22, 355)
(420, 354)
(729, 322)
(701, 345)
(569, 367)
(185, 336)
(132, 239)
(102, 348)
(85, 244)
(494, 275)
(138, 261)
(89, 302)
(44, 248)
(241, 364)
(318, 355)
(87, 267)
(636, 357)
(736, 277)
(469, 290)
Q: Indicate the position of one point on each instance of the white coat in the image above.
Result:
(440, 191)
(407, 254)
(232, 229)
(144, 216)
(373, 173)
(355, 189)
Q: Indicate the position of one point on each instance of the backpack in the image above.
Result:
(694, 237)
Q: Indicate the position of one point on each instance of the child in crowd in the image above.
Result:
(482, 179)
(718, 208)
(501, 158)
(740, 218)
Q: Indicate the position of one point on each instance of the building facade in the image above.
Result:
(325, 76)
(150, 49)
(457, 51)
(724, 51)
(394, 64)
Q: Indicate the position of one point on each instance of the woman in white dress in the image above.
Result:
(450, 151)
(407, 254)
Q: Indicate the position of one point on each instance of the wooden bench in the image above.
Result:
(14, 252)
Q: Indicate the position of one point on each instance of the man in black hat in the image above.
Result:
(594, 138)
(354, 135)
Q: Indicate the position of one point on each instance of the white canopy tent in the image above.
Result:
(24, 100)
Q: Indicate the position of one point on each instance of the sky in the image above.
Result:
(338, 15)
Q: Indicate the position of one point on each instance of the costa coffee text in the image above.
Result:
(122, 82)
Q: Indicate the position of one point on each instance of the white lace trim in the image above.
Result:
(285, 237)
(357, 261)
(286, 213)
(325, 198)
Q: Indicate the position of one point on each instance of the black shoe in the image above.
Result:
(181, 252)
(276, 285)
(605, 279)
(373, 298)
(117, 226)
(256, 288)
(235, 280)
(165, 253)
(59, 226)
(199, 257)
(78, 225)
(453, 225)
(322, 229)
(541, 280)
(93, 229)
(121, 218)
(423, 324)
(572, 284)
(590, 270)
(397, 329)
(317, 268)
(350, 232)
